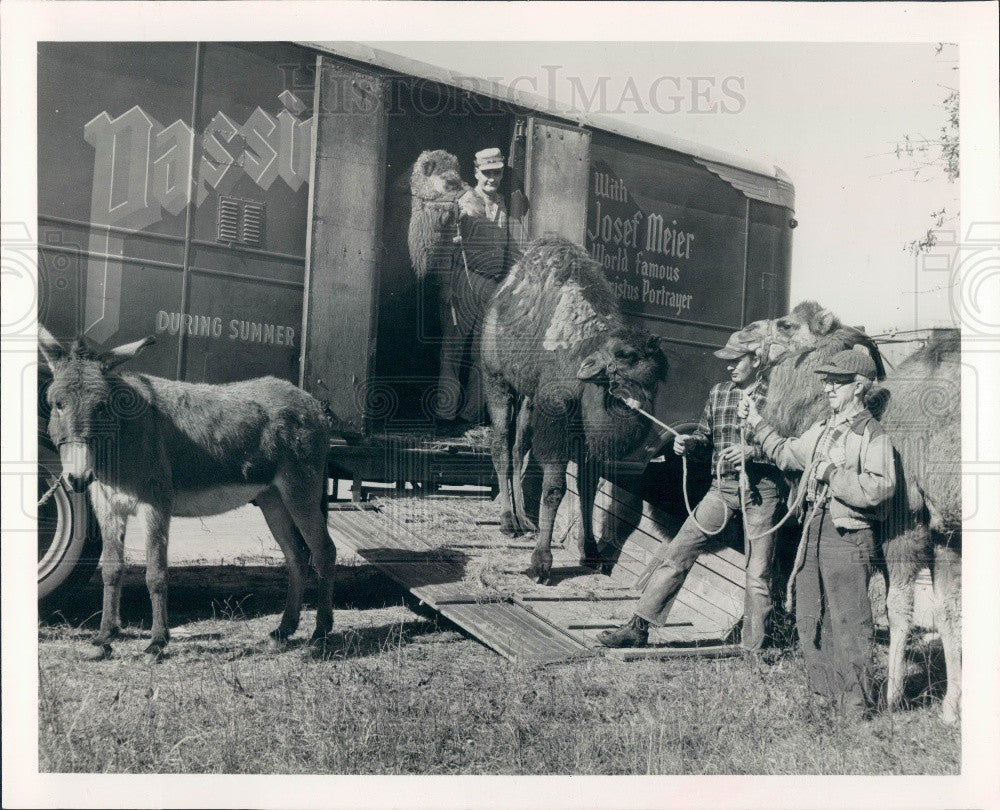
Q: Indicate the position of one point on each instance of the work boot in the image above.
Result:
(634, 633)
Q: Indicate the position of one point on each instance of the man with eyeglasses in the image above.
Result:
(484, 252)
(850, 479)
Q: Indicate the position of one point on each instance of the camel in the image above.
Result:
(919, 407)
(555, 353)
(188, 449)
(435, 186)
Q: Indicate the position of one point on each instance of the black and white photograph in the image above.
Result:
(473, 391)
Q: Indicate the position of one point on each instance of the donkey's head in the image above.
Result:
(87, 401)
(628, 366)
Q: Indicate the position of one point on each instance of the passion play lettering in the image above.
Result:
(638, 246)
(214, 327)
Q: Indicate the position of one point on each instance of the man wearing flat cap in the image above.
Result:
(720, 430)
(484, 252)
(850, 478)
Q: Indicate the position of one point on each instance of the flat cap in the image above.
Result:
(737, 347)
(849, 363)
(491, 158)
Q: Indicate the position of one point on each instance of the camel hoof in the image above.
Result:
(595, 563)
(949, 714)
(99, 652)
(541, 566)
(277, 642)
(508, 525)
(154, 653)
(528, 526)
(321, 645)
(106, 637)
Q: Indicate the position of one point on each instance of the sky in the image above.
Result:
(829, 114)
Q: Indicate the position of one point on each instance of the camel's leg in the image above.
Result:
(623, 511)
(587, 477)
(553, 490)
(522, 443)
(280, 522)
(112, 522)
(500, 403)
(550, 445)
(157, 524)
(899, 607)
(905, 553)
(948, 618)
(302, 493)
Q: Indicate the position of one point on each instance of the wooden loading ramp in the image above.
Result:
(449, 553)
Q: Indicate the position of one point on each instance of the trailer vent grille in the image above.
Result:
(241, 222)
(253, 223)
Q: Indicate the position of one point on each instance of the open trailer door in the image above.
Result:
(557, 161)
(344, 243)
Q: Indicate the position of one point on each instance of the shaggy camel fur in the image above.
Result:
(189, 449)
(554, 347)
(435, 186)
(919, 407)
(922, 415)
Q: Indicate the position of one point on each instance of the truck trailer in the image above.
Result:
(248, 204)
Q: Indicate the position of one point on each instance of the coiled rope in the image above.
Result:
(744, 480)
(821, 497)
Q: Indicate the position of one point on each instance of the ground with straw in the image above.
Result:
(399, 693)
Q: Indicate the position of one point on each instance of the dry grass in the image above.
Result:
(400, 694)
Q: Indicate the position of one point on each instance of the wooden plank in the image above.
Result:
(511, 630)
(722, 559)
(694, 651)
(571, 598)
(535, 624)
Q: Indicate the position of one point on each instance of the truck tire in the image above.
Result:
(69, 540)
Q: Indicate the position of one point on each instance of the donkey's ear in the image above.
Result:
(115, 357)
(653, 345)
(593, 365)
(50, 348)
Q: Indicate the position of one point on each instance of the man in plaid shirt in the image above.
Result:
(720, 429)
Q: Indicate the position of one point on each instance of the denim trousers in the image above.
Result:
(664, 576)
(833, 612)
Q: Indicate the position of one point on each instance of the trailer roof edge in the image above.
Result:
(783, 193)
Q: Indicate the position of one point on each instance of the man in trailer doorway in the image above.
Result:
(719, 429)
(484, 252)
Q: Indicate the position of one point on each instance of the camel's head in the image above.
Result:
(807, 328)
(624, 370)
(435, 175)
(87, 401)
(791, 347)
(435, 185)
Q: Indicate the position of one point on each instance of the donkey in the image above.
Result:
(188, 449)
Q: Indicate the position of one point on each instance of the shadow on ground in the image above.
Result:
(216, 593)
(926, 673)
